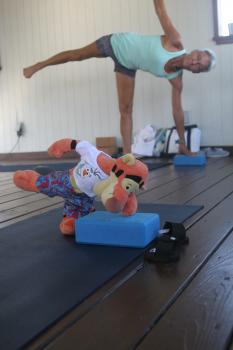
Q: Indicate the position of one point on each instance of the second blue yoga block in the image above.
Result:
(102, 227)
(196, 160)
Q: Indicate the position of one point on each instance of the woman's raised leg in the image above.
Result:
(83, 53)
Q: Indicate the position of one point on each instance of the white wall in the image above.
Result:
(79, 99)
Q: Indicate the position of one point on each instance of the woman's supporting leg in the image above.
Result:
(81, 54)
(125, 90)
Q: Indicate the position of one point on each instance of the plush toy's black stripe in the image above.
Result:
(73, 144)
(135, 178)
(119, 172)
(114, 168)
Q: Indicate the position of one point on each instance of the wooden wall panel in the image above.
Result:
(79, 99)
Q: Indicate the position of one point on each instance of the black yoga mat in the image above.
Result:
(156, 163)
(48, 167)
(167, 212)
(44, 275)
(43, 169)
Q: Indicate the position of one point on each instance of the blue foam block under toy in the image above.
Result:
(195, 160)
(102, 227)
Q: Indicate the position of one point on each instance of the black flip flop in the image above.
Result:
(165, 250)
(176, 230)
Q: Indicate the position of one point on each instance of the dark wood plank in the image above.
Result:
(186, 190)
(4, 182)
(21, 198)
(19, 202)
(210, 198)
(123, 318)
(170, 173)
(202, 317)
(31, 207)
(120, 316)
(5, 175)
(27, 215)
(15, 195)
(10, 190)
(7, 186)
(87, 305)
(220, 165)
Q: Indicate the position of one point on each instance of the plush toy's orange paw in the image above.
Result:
(26, 179)
(113, 205)
(131, 205)
(67, 226)
(58, 148)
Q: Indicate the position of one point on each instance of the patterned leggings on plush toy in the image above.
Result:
(58, 184)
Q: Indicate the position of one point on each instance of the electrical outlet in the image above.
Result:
(20, 129)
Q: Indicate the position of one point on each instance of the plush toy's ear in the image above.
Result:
(130, 167)
(128, 159)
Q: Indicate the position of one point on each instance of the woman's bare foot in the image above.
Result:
(184, 150)
(29, 71)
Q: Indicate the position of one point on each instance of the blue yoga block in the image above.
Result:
(102, 227)
(196, 160)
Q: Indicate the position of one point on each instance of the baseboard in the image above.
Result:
(34, 156)
(71, 155)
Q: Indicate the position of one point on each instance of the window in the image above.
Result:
(223, 21)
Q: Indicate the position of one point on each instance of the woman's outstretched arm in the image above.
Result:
(169, 30)
(178, 113)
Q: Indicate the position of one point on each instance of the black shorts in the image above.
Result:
(105, 47)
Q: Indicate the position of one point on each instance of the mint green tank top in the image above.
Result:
(144, 52)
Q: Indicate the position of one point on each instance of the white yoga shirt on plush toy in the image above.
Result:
(87, 173)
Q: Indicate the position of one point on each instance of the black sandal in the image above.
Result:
(177, 230)
(164, 251)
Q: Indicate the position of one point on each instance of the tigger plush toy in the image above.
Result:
(114, 181)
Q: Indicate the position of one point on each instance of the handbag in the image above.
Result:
(192, 138)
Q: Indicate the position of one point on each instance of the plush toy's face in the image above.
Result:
(130, 186)
(128, 175)
(115, 193)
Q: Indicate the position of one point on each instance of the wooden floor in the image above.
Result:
(185, 305)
